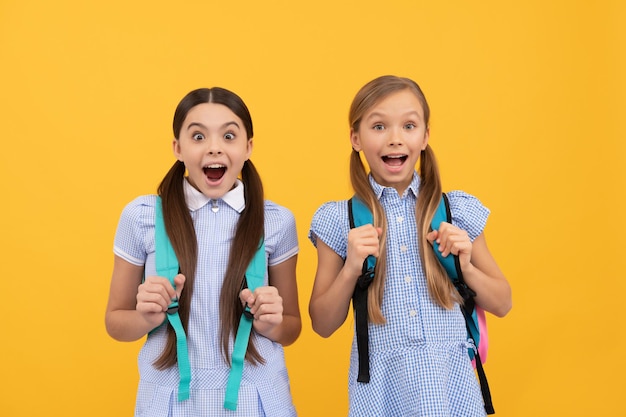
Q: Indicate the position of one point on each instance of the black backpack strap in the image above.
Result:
(359, 304)
(484, 385)
(467, 309)
(350, 214)
(482, 377)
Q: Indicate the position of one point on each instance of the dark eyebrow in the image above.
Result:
(233, 123)
(224, 126)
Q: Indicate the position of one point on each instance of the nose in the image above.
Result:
(395, 136)
(214, 146)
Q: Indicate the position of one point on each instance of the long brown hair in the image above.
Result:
(439, 286)
(181, 232)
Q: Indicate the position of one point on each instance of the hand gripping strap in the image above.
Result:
(360, 215)
(255, 276)
(474, 315)
(167, 266)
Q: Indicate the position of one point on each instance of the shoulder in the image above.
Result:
(330, 223)
(274, 210)
(281, 236)
(464, 203)
(331, 217)
(468, 212)
(331, 211)
(278, 217)
(140, 206)
(134, 234)
(139, 212)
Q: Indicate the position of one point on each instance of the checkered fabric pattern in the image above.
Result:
(265, 389)
(418, 359)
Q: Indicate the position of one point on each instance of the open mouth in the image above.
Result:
(214, 171)
(395, 160)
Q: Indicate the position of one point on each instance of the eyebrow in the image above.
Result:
(409, 113)
(224, 126)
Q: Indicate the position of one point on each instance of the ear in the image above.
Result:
(355, 139)
(250, 145)
(426, 137)
(176, 150)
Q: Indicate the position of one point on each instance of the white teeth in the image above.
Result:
(395, 156)
(215, 166)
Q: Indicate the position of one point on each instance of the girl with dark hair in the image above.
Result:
(215, 215)
(418, 359)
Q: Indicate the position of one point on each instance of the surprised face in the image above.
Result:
(392, 134)
(213, 144)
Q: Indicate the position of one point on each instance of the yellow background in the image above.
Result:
(527, 101)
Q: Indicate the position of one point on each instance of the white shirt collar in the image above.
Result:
(196, 200)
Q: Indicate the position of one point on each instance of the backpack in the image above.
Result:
(359, 214)
(167, 266)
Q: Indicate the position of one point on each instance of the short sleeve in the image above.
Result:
(330, 224)
(281, 237)
(468, 213)
(134, 237)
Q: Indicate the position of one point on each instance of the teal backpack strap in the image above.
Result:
(453, 268)
(255, 277)
(167, 266)
(359, 214)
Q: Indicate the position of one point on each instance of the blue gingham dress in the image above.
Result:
(265, 388)
(419, 364)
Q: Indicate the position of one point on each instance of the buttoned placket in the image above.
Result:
(405, 231)
(398, 207)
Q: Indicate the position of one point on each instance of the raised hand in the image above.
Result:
(454, 240)
(266, 305)
(362, 242)
(154, 296)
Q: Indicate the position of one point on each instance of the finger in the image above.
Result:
(365, 242)
(261, 310)
(461, 245)
(160, 285)
(448, 245)
(456, 241)
(179, 281)
(267, 301)
(432, 236)
(443, 231)
(153, 293)
(268, 320)
(266, 294)
(151, 302)
(247, 297)
(366, 231)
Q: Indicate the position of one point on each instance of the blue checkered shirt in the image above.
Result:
(265, 389)
(419, 364)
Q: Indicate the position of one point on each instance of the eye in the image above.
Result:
(229, 136)
(378, 126)
(410, 126)
(197, 136)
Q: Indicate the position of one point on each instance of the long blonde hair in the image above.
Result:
(439, 286)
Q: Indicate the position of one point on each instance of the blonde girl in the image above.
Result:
(418, 344)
